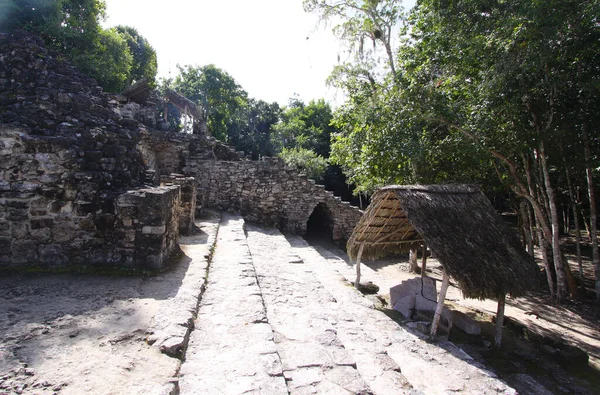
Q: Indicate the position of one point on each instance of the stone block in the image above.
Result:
(24, 251)
(465, 323)
(53, 255)
(405, 305)
(41, 223)
(154, 230)
(422, 286)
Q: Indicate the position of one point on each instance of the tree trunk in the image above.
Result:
(561, 281)
(532, 232)
(547, 260)
(586, 224)
(412, 260)
(499, 320)
(528, 240)
(575, 219)
(358, 258)
(593, 216)
(440, 305)
(424, 262)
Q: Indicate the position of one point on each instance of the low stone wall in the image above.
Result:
(269, 192)
(147, 227)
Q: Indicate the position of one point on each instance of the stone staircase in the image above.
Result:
(278, 317)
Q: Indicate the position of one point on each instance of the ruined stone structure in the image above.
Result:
(269, 192)
(71, 185)
(80, 172)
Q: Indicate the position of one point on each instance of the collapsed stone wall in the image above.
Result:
(269, 192)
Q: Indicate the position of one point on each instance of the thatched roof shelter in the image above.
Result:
(461, 227)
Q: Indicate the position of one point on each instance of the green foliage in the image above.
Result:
(251, 128)
(312, 164)
(305, 126)
(108, 61)
(231, 115)
(144, 56)
(510, 75)
(215, 91)
(114, 57)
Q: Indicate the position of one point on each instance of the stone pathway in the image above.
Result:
(430, 368)
(278, 317)
(232, 349)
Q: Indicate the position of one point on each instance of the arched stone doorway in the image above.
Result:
(320, 223)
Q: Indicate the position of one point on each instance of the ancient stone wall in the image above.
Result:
(147, 227)
(76, 165)
(187, 206)
(66, 155)
(269, 192)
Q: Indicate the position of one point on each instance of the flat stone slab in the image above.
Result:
(232, 349)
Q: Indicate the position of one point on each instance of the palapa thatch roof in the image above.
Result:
(472, 242)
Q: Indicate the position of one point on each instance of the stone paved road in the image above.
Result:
(232, 349)
(278, 317)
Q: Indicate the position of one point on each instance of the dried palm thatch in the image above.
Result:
(459, 224)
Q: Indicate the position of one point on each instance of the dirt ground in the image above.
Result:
(541, 339)
(86, 333)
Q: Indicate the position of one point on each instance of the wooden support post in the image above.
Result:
(185, 119)
(440, 305)
(499, 320)
(358, 258)
(412, 260)
(424, 261)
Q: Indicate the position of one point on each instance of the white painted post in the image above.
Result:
(440, 305)
(424, 261)
(499, 320)
(358, 257)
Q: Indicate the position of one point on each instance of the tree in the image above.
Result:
(114, 57)
(497, 96)
(215, 91)
(108, 61)
(305, 126)
(251, 128)
(362, 20)
(312, 164)
(144, 56)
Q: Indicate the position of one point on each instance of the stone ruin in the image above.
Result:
(86, 179)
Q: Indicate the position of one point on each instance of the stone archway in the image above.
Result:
(320, 223)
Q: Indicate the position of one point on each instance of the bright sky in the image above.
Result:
(272, 48)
